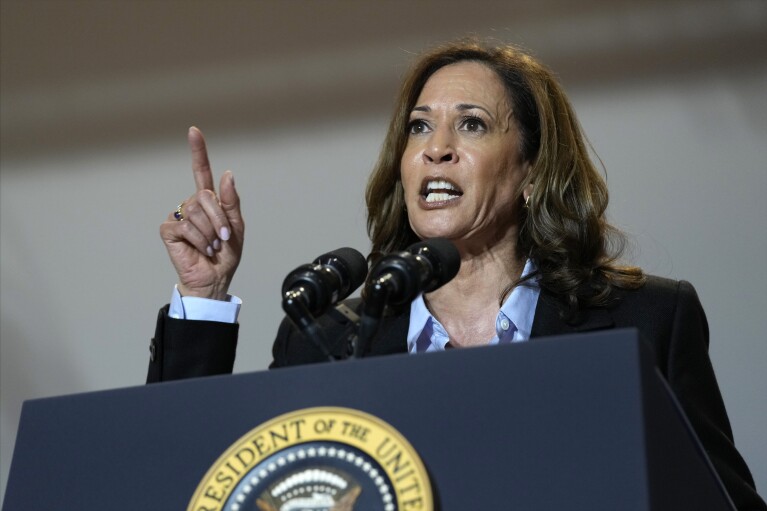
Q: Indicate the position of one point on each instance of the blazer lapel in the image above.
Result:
(547, 320)
(392, 335)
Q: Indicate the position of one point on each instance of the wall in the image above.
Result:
(97, 97)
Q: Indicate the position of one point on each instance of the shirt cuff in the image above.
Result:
(204, 309)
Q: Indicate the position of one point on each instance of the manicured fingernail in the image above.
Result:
(216, 244)
(224, 234)
(209, 250)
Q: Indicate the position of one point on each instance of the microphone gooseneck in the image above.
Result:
(399, 277)
(311, 289)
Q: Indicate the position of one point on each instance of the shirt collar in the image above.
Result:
(519, 308)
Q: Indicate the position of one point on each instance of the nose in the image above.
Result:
(440, 148)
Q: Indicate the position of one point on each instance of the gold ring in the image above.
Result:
(178, 214)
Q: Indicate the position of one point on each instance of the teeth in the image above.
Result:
(440, 197)
(440, 185)
(440, 190)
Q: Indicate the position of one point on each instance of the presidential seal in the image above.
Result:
(317, 459)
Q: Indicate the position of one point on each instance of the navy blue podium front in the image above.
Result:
(573, 422)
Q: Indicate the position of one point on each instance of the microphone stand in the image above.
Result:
(294, 306)
(377, 295)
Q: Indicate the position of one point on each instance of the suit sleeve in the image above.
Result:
(188, 349)
(691, 376)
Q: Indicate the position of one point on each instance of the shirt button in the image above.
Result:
(505, 324)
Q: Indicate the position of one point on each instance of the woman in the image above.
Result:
(484, 149)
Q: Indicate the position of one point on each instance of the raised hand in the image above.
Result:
(205, 244)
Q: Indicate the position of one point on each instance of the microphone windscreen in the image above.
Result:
(444, 258)
(350, 263)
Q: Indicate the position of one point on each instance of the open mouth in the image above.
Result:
(439, 190)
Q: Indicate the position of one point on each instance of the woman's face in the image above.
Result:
(461, 167)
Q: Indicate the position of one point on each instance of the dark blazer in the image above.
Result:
(667, 314)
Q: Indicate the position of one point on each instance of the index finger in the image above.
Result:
(203, 176)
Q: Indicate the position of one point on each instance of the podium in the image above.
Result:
(574, 422)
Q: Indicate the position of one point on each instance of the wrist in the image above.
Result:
(213, 292)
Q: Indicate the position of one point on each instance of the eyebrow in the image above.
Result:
(461, 107)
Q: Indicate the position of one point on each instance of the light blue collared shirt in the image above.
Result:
(513, 323)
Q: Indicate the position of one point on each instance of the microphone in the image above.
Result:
(311, 289)
(399, 277)
(327, 280)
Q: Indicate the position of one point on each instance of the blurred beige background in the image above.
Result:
(294, 96)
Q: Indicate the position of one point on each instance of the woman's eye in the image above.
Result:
(417, 126)
(473, 124)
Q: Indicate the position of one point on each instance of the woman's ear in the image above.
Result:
(528, 190)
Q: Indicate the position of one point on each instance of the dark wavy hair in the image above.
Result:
(563, 227)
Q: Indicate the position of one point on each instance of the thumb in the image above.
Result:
(230, 203)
